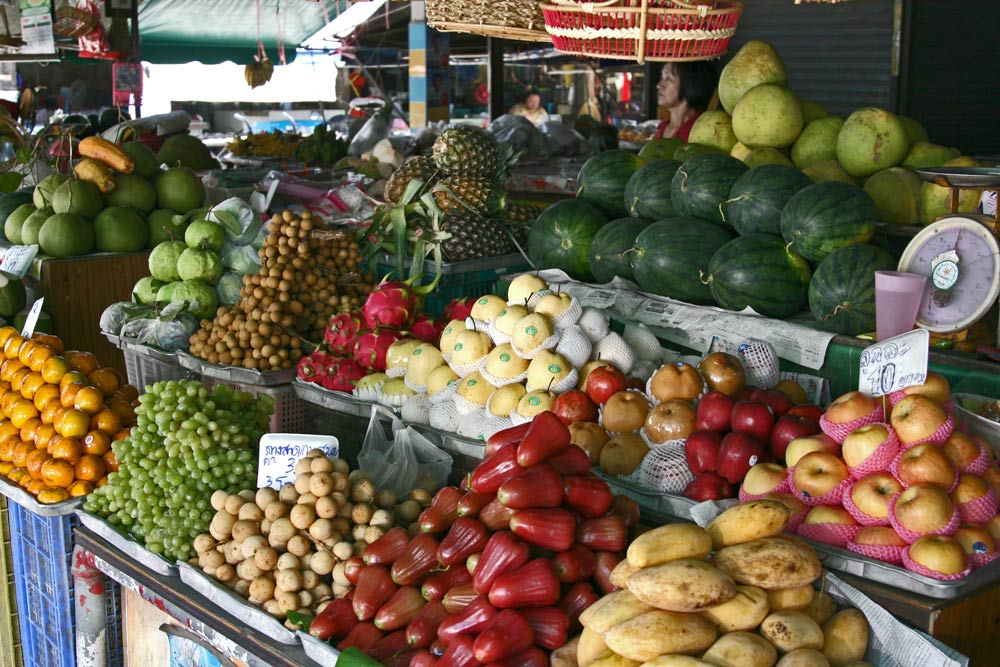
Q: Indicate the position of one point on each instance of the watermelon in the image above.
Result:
(647, 193)
(13, 200)
(611, 251)
(688, 151)
(671, 255)
(703, 183)
(12, 295)
(842, 290)
(826, 216)
(758, 196)
(602, 180)
(562, 236)
(759, 271)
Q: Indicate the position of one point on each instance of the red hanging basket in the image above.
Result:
(640, 30)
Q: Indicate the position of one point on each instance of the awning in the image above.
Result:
(214, 31)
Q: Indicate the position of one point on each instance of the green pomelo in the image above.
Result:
(661, 148)
(812, 111)
(935, 201)
(15, 221)
(229, 287)
(186, 151)
(166, 293)
(871, 139)
(180, 189)
(163, 260)
(714, 128)
(12, 295)
(145, 290)
(818, 142)
(923, 154)
(200, 297)
(688, 151)
(896, 192)
(33, 225)
(166, 225)
(762, 156)
(205, 235)
(755, 63)
(66, 235)
(768, 115)
(10, 202)
(120, 229)
(146, 164)
(133, 191)
(42, 196)
(829, 170)
(914, 131)
(80, 197)
(740, 151)
(202, 265)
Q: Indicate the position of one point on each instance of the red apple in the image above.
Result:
(935, 387)
(590, 437)
(862, 443)
(738, 452)
(625, 412)
(850, 406)
(818, 473)
(923, 508)
(969, 488)
(723, 372)
(764, 478)
(811, 411)
(574, 406)
(871, 494)
(916, 418)
(682, 381)
(993, 525)
(754, 418)
(670, 420)
(961, 449)
(938, 553)
(787, 429)
(635, 383)
(713, 412)
(975, 539)
(744, 393)
(604, 382)
(587, 369)
(709, 486)
(882, 536)
(701, 451)
(819, 442)
(779, 402)
(829, 514)
(926, 464)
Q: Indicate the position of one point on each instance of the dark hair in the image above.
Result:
(698, 81)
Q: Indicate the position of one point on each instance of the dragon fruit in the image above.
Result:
(342, 333)
(427, 329)
(391, 304)
(458, 309)
(341, 374)
(312, 367)
(373, 345)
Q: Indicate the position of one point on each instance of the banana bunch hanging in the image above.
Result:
(259, 71)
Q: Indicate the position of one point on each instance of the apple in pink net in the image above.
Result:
(818, 473)
(935, 387)
(879, 536)
(794, 505)
(923, 508)
(701, 451)
(753, 418)
(969, 488)
(779, 402)
(819, 442)
(916, 418)
(992, 477)
(862, 442)
(811, 411)
(739, 452)
(975, 539)
(829, 514)
(926, 464)
(574, 406)
(713, 412)
(941, 554)
(788, 428)
(961, 449)
(993, 525)
(764, 478)
(670, 420)
(723, 372)
(849, 407)
(709, 486)
(604, 382)
(871, 494)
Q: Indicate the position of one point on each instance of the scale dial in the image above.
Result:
(955, 298)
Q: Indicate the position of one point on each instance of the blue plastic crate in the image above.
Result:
(42, 548)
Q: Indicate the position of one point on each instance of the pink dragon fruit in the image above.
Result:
(371, 348)
(391, 304)
(341, 374)
(427, 329)
(342, 333)
(312, 367)
(458, 309)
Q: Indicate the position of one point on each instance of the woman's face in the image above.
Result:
(668, 89)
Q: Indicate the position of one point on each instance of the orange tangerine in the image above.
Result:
(110, 460)
(53, 342)
(102, 482)
(80, 488)
(89, 400)
(90, 468)
(122, 434)
(38, 356)
(44, 435)
(34, 462)
(12, 346)
(69, 449)
(105, 379)
(7, 429)
(21, 411)
(52, 495)
(67, 393)
(18, 378)
(28, 428)
(50, 410)
(7, 447)
(16, 474)
(124, 411)
(6, 467)
(57, 472)
(24, 352)
(5, 333)
(96, 442)
(21, 451)
(32, 382)
(54, 368)
(107, 421)
(8, 368)
(72, 423)
(8, 400)
(35, 486)
(84, 362)
(129, 392)
(44, 394)
(72, 377)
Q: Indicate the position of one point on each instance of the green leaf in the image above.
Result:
(417, 262)
(229, 222)
(10, 181)
(299, 619)
(23, 154)
(399, 236)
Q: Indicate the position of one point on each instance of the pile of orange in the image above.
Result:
(59, 413)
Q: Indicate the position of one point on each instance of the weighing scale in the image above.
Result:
(960, 255)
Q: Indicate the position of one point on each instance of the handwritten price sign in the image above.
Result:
(897, 362)
(279, 452)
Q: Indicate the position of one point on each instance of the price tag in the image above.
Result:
(279, 452)
(17, 260)
(895, 363)
(32, 319)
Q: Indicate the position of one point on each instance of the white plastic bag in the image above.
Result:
(404, 460)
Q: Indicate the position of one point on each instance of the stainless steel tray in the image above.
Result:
(654, 506)
(336, 401)
(113, 339)
(318, 650)
(127, 545)
(961, 177)
(452, 442)
(235, 373)
(513, 262)
(127, 345)
(18, 495)
(987, 429)
(255, 617)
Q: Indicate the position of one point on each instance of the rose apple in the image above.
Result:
(786, 429)
(738, 452)
(934, 387)
(916, 418)
(778, 401)
(723, 372)
(926, 463)
(829, 514)
(764, 478)
(709, 486)
(754, 418)
(713, 412)
(811, 411)
(575, 406)
(625, 412)
(862, 442)
(969, 488)
(604, 382)
(670, 420)
(961, 449)
(701, 451)
(975, 539)
(923, 508)
(881, 536)
(818, 473)
(850, 406)
(871, 494)
(799, 447)
(940, 554)
(682, 381)
(590, 437)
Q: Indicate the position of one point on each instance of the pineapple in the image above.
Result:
(469, 194)
(467, 150)
(522, 212)
(473, 237)
(419, 167)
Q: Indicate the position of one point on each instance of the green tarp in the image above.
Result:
(214, 31)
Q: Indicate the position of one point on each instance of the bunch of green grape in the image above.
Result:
(188, 442)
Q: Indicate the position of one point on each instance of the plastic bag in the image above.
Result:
(242, 259)
(404, 460)
(117, 315)
(374, 130)
(519, 132)
(563, 140)
(171, 333)
(240, 222)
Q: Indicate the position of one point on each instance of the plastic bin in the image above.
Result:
(10, 637)
(42, 548)
(145, 366)
(290, 414)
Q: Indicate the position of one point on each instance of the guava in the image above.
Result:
(199, 265)
(163, 260)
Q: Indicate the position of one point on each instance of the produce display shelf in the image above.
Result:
(16, 494)
(985, 428)
(290, 415)
(146, 365)
(336, 401)
(338, 414)
(10, 637)
(655, 507)
(235, 374)
(42, 550)
(126, 544)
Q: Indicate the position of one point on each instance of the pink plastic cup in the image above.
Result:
(897, 300)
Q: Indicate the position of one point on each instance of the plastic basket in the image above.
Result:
(42, 548)
(145, 366)
(642, 30)
(290, 411)
(10, 638)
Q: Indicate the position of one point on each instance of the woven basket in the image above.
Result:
(509, 19)
(640, 30)
(74, 22)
